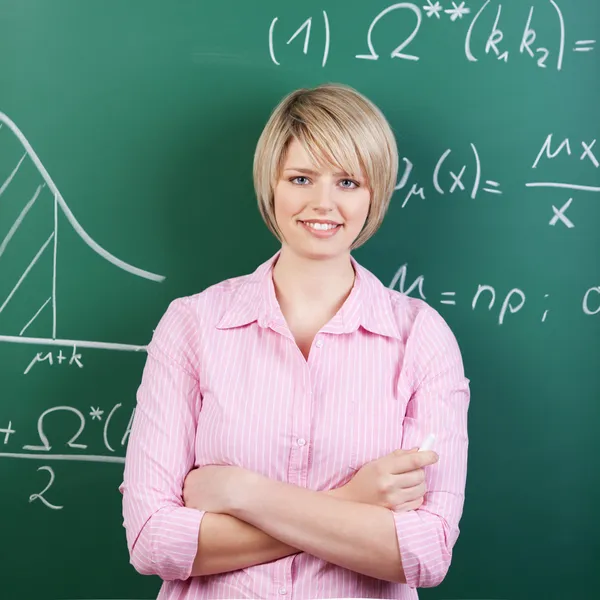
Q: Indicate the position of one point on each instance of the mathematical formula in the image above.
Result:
(468, 178)
(456, 179)
(64, 447)
(51, 359)
(543, 54)
(487, 297)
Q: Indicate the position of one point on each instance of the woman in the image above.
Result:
(272, 452)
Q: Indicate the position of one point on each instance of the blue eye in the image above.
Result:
(349, 184)
(297, 180)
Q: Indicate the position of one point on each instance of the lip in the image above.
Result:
(321, 234)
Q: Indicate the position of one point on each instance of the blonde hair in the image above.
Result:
(337, 126)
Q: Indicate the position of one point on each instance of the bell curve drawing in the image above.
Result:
(51, 245)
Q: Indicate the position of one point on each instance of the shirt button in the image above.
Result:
(282, 591)
(319, 343)
(301, 442)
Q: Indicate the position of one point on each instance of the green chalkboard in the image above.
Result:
(128, 130)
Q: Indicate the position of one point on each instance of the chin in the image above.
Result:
(316, 253)
(319, 249)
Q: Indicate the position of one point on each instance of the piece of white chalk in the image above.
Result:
(427, 443)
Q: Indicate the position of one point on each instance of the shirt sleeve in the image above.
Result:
(438, 405)
(162, 534)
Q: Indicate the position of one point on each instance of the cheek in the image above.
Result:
(359, 210)
(280, 201)
(289, 201)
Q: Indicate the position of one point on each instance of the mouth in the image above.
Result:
(321, 229)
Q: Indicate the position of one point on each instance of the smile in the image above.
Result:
(320, 226)
(321, 230)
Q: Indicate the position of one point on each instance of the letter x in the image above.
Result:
(559, 215)
(457, 180)
(587, 151)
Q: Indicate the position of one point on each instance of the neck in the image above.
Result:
(305, 284)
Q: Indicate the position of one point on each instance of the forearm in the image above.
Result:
(356, 536)
(226, 543)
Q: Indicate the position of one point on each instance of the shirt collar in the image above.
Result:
(369, 304)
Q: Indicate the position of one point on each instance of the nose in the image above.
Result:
(323, 197)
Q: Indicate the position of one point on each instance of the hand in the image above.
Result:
(395, 481)
(214, 488)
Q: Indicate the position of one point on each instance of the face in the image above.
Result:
(319, 210)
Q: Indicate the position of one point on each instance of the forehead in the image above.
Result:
(318, 158)
(297, 155)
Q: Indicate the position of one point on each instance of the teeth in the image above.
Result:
(321, 226)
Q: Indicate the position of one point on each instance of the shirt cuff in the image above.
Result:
(422, 544)
(174, 534)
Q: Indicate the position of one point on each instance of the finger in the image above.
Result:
(400, 452)
(409, 461)
(416, 492)
(408, 479)
(402, 496)
(389, 462)
(416, 503)
(408, 506)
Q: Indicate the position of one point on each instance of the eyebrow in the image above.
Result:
(312, 172)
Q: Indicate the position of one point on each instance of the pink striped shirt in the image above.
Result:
(225, 383)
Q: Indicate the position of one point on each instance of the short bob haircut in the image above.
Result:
(339, 127)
